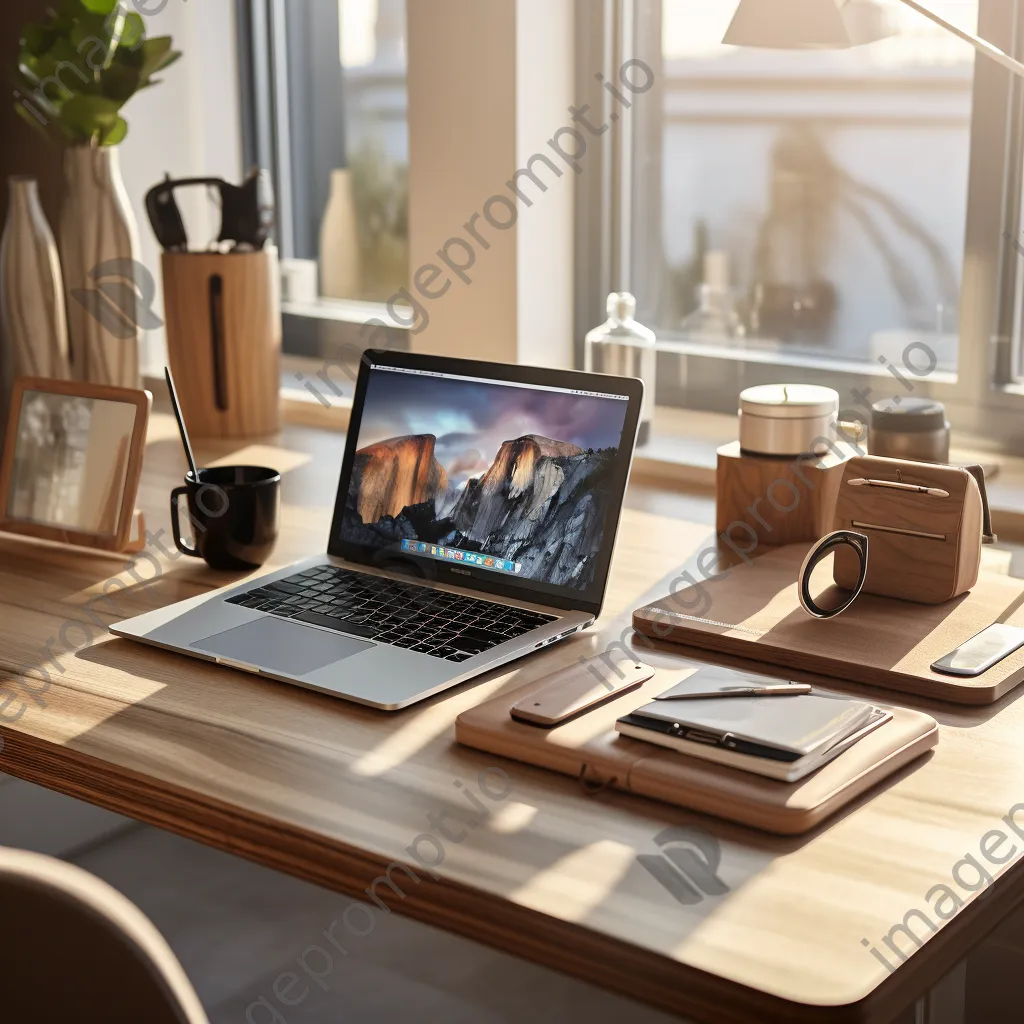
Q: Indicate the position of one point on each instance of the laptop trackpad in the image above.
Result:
(282, 646)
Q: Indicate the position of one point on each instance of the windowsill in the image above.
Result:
(355, 311)
(683, 453)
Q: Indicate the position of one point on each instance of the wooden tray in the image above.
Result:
(590, 748)
(753, 612)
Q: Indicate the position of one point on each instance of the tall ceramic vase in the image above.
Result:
(33, 332)
(98, 249)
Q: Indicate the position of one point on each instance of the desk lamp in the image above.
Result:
(834, 25)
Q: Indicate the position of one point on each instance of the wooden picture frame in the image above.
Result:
(121, 512)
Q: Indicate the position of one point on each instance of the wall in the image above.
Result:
(187, 126)
(22, 150)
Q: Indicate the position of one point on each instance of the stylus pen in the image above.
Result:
(936, 492)
(743, 691)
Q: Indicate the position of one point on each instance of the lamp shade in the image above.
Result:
(808, 24)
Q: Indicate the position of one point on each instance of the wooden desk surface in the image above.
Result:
(334, 792)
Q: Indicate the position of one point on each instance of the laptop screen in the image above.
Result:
(495, 476)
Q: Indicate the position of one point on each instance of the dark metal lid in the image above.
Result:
(910, 416)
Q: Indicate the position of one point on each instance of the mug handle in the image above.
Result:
(176, 523)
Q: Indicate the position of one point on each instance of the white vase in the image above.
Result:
(98, 249)
(339, 241)
(33, 330)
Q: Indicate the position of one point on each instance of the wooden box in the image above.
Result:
(769, 499)
(223, 313)
(922, 546)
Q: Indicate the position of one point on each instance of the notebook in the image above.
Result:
(779, 737)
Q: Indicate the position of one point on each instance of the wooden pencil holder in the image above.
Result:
(223, 319)
(769, 499)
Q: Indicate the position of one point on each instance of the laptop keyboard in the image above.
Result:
(434, 622)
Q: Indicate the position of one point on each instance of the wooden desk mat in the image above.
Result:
(589, 748)
(753, 612)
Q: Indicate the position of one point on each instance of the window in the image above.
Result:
(807, 213)
(327, 113)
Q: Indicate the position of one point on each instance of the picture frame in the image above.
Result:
(55, 480)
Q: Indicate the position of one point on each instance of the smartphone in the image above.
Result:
(579, 688)
(982, 651)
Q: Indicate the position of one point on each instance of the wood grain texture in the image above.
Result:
(590, 748)
(119, 516)
(754, 612)
(334, 793)
(927, 569)
(774, 501)
(223, 315)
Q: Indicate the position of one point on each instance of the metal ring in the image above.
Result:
(849, 538)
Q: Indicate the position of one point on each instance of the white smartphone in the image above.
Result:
(982, 651)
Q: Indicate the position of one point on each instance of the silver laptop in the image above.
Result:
(474, 523)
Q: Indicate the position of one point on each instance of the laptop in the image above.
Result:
(474, 523)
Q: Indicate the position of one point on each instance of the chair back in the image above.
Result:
(74, 949)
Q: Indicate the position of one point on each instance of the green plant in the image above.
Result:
(76, 70)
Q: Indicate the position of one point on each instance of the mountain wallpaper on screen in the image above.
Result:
(538, 500)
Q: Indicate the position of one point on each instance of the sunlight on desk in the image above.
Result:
(579, 881)
(411, 735)
(512, 818)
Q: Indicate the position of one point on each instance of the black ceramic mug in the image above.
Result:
(234, 512)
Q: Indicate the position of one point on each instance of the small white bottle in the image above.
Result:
(623, 347)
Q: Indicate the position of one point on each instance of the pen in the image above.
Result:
(936, 492)
(783, 690)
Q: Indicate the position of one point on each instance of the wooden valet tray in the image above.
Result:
(753, 612)
(589, 748)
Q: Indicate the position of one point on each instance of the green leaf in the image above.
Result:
(134, 32)
(28, 90)
(164, 62)
(94, 52)
(116, 30)
(25, 75)
(99, 6)
(84, 61)
(153, 52)
(36, 39)
(120, 82)
(89, 116)
(115, 133)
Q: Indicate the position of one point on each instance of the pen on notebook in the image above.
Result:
(786, 690)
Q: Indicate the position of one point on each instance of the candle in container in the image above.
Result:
(789, 419)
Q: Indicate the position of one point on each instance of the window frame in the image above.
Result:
(984, 399)
(323, 329)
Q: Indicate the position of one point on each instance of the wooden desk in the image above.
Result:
(335, 793)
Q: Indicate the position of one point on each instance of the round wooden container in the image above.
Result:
(223, 318)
